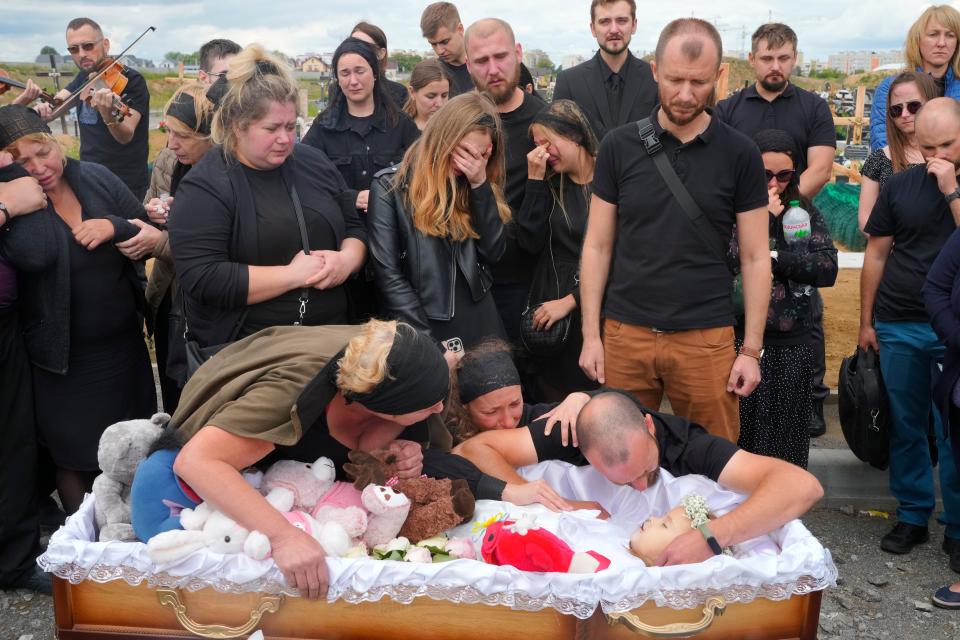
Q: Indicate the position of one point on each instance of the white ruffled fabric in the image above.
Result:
(789, 561)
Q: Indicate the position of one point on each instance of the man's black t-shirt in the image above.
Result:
(127, 161)
(661, 274)
(802, 114)
(462, 82)
(516, 265)
(912, 210)
(685, 447)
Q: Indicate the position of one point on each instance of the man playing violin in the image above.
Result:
(120, 144)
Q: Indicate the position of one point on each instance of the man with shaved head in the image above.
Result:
(493, 58)
(654, 269)
(629, 445)
(916, 212)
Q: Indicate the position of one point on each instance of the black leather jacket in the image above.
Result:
(415, 273)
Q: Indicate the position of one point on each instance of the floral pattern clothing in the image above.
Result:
(789, 314)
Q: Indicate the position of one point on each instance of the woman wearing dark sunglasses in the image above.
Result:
(774, 418)
(908, 92)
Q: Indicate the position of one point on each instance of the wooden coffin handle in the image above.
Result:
(713, 608)
(171, 598)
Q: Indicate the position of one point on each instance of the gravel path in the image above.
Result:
(879, 595)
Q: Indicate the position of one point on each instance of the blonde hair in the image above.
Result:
(945, 15)
(424, 73)
(39, 138)
(456, 416)
(256, 79)
(440, 201)
(364, 362)
(202, 109)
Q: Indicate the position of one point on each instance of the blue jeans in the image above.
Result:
(909, 356)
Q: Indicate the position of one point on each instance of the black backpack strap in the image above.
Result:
(653, 147)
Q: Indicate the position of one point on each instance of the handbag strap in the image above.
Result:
(653, 147)
(305, 292)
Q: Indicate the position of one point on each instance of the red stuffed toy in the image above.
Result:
(529, 548)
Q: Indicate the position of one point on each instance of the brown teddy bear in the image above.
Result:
(435, 505)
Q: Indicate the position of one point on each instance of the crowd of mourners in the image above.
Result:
(474, 279)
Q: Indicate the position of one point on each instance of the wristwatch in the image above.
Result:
(751, 353)
(953, 195)
(711, 541)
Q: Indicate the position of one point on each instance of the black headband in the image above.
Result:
(363, 49)
(17, 121)
(481, 373)
(417, 376)
(183, 108)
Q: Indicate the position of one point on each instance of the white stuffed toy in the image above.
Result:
(207, 528)
(122, 446)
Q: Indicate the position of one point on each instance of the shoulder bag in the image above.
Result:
(864, 408)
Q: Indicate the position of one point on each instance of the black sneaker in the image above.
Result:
(951, 546)
(904, 537)
(817, 426)
(35, 580)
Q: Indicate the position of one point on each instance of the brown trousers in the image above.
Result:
(691, 367)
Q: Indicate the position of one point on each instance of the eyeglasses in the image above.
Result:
(74, 49)
(896, 110)
(784, 176)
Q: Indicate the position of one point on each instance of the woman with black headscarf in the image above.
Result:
(362, 131)
(774, 418)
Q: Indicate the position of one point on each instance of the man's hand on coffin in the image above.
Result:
(302, 561)
(537, 491)
(689, 548)
(565, 414)
(409, 454)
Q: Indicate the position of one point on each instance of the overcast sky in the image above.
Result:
(560, 27)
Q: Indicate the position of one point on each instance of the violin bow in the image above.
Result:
(68, 103)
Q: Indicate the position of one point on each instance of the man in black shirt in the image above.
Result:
(774, 103)
(614, 87)
(493, 57)
(916, 211)
(440, 25)
(629, 444)
(119, 145)
(663, 285)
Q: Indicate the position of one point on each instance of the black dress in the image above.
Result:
(109, 377)
(556, 234)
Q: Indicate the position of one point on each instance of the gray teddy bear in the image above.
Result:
(122, 446)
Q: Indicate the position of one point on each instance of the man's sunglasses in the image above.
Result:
(783, 177)
(896, 110)
(74, 49)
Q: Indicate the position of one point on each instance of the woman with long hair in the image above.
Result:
(774, 418)
(437, 222)
(551, 223)
(429, 90)
(931, 49)
(82, 301)
(375, 36)
(244, 213)
(908, 92)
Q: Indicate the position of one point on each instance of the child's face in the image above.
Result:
(653, 536)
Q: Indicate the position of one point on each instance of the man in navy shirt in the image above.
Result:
(917, 211)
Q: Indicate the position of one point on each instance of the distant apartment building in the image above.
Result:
(572, 60)
(532, 57)
(854, 61)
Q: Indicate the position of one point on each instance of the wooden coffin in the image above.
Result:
(113, 610)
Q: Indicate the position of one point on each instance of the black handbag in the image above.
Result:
(544, 342)
(864, 408)
(197, 355)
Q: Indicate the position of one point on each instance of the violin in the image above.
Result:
(46, 97)
(109, 75)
